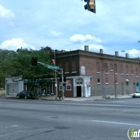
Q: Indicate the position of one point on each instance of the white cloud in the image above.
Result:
(15, 44)
(81, 38)
(54, 33)
(6, 13)
(96, 47)
(134, 53)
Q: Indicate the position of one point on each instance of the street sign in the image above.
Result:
(53, 67)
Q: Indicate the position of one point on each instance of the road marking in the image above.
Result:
(15, 125)
(85, 104)
(121, 123)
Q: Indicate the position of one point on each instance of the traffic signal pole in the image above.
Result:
(56, 91)
(62, 75)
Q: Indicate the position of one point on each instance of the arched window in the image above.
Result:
(126, 69)
(121, 69)
(111, 66)
(73, 65)
(131, 70)
(98, 67)
(106, 67)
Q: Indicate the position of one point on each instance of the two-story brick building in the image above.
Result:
(90, 74)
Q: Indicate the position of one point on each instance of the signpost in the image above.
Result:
(53, 67)
(56, 69)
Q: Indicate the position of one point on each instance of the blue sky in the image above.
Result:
(66, 25)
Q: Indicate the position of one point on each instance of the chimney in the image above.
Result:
(127, 55)
(101, 51)
(86, 48)
(116, 53)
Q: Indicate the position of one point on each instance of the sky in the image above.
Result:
(66, 25)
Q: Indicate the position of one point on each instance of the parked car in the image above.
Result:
(25, 94)
(135, 95)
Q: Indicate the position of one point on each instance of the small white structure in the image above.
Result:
(13, 85)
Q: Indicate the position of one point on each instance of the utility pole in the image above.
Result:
(56, 93)
(62, 84)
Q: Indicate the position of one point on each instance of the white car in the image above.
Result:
(135, 95)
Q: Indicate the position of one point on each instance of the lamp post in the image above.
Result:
(116, 54)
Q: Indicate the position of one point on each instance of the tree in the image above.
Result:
(14, 64)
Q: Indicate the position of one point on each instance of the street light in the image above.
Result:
(116, 54)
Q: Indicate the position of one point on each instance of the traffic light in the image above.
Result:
(90, 5)
(60, 78)
(34, 61)
(64, 79)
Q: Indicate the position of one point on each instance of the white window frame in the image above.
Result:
(70, 87)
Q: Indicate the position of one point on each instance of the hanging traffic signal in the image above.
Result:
(90, 5)
(64, 79)
(34, 61)
(60, 78)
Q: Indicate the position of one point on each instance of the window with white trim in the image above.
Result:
(68, 87)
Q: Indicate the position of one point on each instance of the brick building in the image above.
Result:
(90, 74)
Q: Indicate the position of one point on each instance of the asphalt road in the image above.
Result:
(64, 120)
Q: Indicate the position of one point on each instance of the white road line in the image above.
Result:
(84, 104)
(121, 123)
(101, 105)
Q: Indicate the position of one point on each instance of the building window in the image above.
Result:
(68, 87)
(115, 68)
(73, 65)
(106, 67)
(106, 80)
(98, 79)
(131, 69)
(126, 69)
(121, 69)
(98, 67)
(116, 81)
(111, 67)
(66, 67)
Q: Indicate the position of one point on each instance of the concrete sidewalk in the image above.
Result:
(86, 98)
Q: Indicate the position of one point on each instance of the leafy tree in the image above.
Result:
(14, 64)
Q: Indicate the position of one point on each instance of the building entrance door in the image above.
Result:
(79, 91)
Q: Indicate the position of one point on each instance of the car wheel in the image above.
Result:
(18, 97)
(25, 97)
(134, 97)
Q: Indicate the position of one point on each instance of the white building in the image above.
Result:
(13, 85)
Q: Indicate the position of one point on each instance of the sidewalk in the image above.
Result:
(86, 98)
(76, 99)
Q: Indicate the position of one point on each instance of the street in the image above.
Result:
(67, 120)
